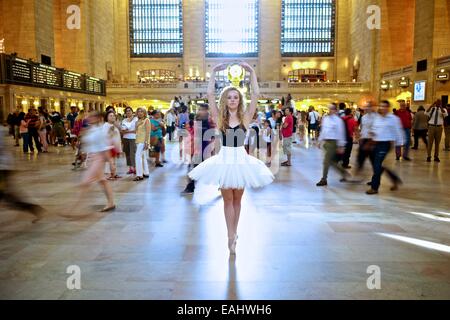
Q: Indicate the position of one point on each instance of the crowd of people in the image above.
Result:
(256, 138)
(142, 134)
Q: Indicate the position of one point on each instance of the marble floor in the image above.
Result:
(296, 241)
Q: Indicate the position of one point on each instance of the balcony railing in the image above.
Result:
(272, 85)
(397, 73)
(14, 70)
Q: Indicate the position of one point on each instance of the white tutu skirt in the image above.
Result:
(232, 168)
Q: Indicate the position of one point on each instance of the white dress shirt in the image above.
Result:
(333, 128)
(130, 126)
(170, 118)
(388, 128)
(437, 116)
(366, 124)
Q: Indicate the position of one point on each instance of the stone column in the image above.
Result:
(269, 62)
(194, 35)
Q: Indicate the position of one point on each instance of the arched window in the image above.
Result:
(156, 28)
(231, 28)
(308, 27)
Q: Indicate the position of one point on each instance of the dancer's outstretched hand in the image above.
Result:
(246, 66)
(220, 67)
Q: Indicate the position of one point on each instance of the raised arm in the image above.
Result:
(254, 94)
(211, 93)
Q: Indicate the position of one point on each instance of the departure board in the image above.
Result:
(93, 85)
(72, 81)
(46, 75)
(21, 71)
(29, 73)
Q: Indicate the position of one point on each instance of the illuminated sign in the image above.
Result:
(384, 85)
(442, 76)
(404, 83)
(419, 90)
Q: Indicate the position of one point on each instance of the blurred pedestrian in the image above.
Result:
(6, 186)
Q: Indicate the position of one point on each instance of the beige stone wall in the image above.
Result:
(269, 40)
(343, 66)
(91, 48)
(441, 46)
(397, 34)
(423, 44)
(45, 43)
(102, 36)
(121, 63)
(71, 49)
(363, 48)
(19, 27)
(193, 40)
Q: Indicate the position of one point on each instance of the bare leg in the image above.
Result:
(228, 206)
(108, 192)
(157, 155)
(112, 166)
(237, 199)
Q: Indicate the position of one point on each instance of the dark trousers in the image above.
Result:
(129, 147)
(26, 141)
(170, 131)
(347, 153)
(381, 150)
(365, 151)
(420, 134)
(34, 135)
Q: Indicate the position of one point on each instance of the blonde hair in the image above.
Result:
(224, 113)
(143, 110)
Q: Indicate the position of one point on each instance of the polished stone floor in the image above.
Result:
(296, 241)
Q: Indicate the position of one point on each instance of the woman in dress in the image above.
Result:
(232, 169)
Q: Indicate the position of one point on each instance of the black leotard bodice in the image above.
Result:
(234, 137)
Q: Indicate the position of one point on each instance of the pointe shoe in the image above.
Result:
(232, 245)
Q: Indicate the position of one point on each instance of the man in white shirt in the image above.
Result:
(170, 120)
(314, 121)
(333, 138)
(436, 114)
(386, 129)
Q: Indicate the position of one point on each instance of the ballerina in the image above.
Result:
(232, 169)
